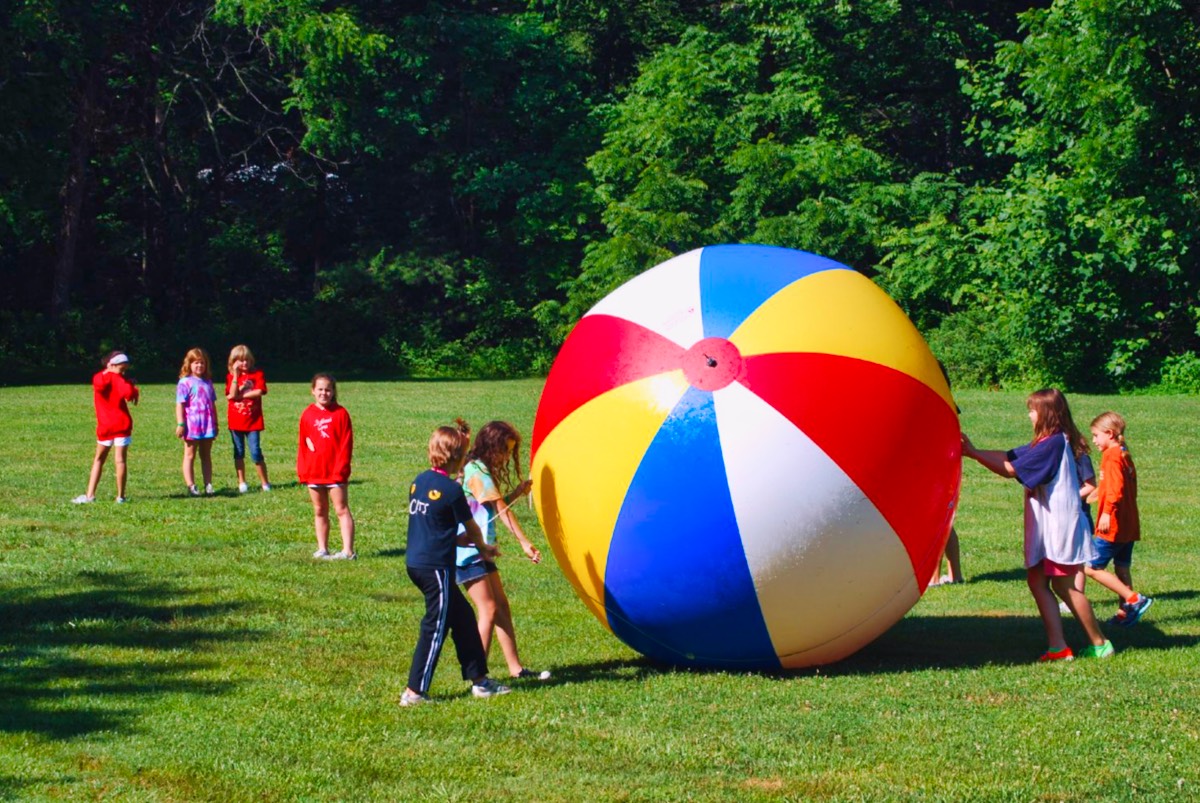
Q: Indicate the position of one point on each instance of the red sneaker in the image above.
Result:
(1064, 654)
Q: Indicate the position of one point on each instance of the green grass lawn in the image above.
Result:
(178, 649)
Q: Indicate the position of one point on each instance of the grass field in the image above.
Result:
(178, 649)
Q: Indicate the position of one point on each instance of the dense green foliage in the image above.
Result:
(179, 649)
(442, 187)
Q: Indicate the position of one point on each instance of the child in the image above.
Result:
(1117, 522)
(323, 464)
(436, 508)
(1056, 531)
(496, 445)
(244, 388)
(196, 418)
(114, 426)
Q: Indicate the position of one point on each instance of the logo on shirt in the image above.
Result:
(435, 495)
(322, 426)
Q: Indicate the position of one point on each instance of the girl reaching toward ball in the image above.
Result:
(492, 464)
(1057, 533)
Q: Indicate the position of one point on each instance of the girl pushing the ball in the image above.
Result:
(323, 464)
(493, 460)
(1057, 533)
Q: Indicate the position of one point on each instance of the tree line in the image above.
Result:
(441, 187)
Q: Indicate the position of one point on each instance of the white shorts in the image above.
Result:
(117, 441)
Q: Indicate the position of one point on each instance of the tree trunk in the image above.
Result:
(74, 191)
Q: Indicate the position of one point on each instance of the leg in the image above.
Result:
(952, 557)
(239, 455)
(121, 471)
(1080, 607)
(320, 503)
(1110, 581)
(189, 464)
(480, 592)
(464, 632)
(432, 584)
(1047, 606)
(506, 632)
(256, 456)
(206, 460)
(1124, 575)
(97, 468)
(340, 494)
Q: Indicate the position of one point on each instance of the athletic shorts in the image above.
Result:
(1120, 554)
(117, 441)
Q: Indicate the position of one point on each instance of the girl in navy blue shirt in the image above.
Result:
(1057, 533)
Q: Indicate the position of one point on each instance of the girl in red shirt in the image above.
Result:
(244, 389)
(114, 426)
(323, 464)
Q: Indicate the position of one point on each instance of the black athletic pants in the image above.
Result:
(445, 609)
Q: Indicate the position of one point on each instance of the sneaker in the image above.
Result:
(531, 674)
(83, 499)
(1119, 619)
(321, 553)
(411, 698)
(122, 500)
(343, 555)
(1105, 650)
(193, 490)
(488, 688)
(1064, 608)
(208, 490)
(243, 487)
(266, 486)
(1133, 612)
(1064, 654)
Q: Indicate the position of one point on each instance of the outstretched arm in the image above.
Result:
(993, 460)
(506, 515)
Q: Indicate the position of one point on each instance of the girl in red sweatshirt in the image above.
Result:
(114, 426)
(323, 464)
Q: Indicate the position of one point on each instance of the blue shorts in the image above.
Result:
(1120, 554)
(239, 446)
(473, 571)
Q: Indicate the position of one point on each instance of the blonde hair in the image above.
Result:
(241, 353)
(1111, 422)
(196, 355)
(447, 447)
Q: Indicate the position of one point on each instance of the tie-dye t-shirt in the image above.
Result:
(478, 484)
(199, 400)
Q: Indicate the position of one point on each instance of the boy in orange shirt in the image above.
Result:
(1117, 522)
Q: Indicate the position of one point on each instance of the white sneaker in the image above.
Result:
(321, 554)
(411, 698)
(208, 490)
(488, 688)
(83, 499)
(267, 487)
(343, 555)
(533, 674)
(121, 500)
(243, 487)
(193, 490)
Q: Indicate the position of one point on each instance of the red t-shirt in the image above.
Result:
(245, 415)
(110, 392)
(325, 447)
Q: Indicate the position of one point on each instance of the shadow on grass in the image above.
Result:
(916, 644)
(1008, 575)
(51, 684)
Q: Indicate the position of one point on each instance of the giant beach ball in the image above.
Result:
(746, 458)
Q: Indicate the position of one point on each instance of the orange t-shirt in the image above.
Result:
(1116, 495)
